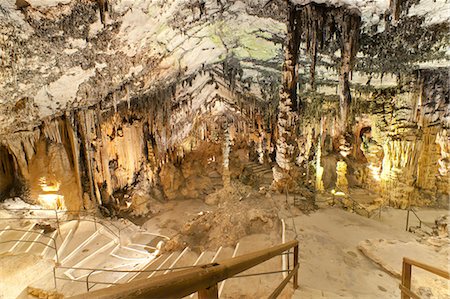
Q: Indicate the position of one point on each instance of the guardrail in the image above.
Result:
(202, 279)
(410, 209)
(405, 285)
(65, 215)
(354, 204)
(54, 247)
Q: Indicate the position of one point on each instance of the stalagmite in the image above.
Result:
(319, 168)
(341, 181)
(286, 143)
(226, 157)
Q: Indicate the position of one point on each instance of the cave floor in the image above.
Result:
(333, 266)
(331, 262)
(342, 254)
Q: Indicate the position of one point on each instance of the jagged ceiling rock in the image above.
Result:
(57, 55)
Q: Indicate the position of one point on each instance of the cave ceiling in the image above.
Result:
(57, 56)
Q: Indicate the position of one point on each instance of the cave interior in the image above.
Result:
(211, 124)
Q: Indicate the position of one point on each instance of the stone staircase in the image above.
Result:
(262, 172)
(360, 201)
(81, 245)
(91, 256)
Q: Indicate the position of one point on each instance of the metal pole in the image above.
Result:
(54, 278)
(407, 220)
(288, 260)
(286, 194)
(95, 221)
(56, 251)
(57, 223)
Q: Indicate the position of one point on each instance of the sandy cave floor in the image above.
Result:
(332, 265)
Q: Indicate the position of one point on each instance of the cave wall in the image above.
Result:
(399, 141)
(129, 152)
(416, 145)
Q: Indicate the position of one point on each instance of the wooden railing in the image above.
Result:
(405, 286)
(202, 279)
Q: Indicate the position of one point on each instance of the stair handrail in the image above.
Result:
(354, 202)
(410, 209)
(405, 285)
(69, 212)
(202, 279)
(54, 247)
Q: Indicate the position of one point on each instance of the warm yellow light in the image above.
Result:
(338, 193)
(49, 186)
(375, 171)
(51, 201)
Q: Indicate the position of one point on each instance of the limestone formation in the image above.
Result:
(103, 97)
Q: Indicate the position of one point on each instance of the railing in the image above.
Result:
(354, 205)
(405, 286)
(54, 247)
(92, 283)
(202, 279)
(65, 215)
(410, 209)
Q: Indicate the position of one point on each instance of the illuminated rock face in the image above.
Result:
(407, 141)
(341, 182)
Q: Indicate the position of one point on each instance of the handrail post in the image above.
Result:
(56, 251)
(295, 278)
(407, 219)
(54, 278)
(57, 223)
(95, 221)
(210, 293)
(406, 278)
(288, 259)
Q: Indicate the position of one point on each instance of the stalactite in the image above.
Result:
(350, 26)
(318, 26)
(102, 7)
(395, 6)
(75, 149)
(23, 147)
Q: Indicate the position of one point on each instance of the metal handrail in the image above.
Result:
(410, 209)
(354, 202)
(202, 279)
(58, 219)
(34, 241)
